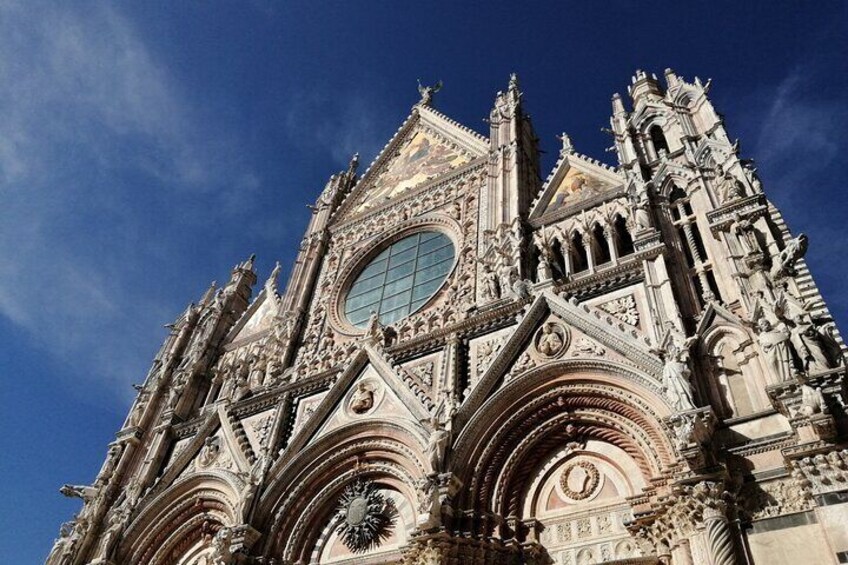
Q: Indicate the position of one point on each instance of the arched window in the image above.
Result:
(579, 260)
(559, 260)
(600, 247)
(658, 139)
(623, 241)
(692, 246)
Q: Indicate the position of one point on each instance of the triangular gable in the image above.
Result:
(256, 320)
(367, 363)
(575, 179)
(427, 146)
(225, 453)
(586, 322)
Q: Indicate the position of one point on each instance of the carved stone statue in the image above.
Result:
(783, 264)
(812, 400)
(362, 400)
(507, 276)
(117, 520)
(135, 416)
(744, 230)
(774, 342)
(521, 289)
(109, 465)
(437, 445)
(491, 289)
(249, 491)
(727, 186)
(374, 329)
(257, 371)
(676, 373)
(70, 534)
(427, 92)
(543, 270)
(806, 340)
(639, 203)
(429, 504)
(221, 554)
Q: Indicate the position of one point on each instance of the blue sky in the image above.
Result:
(145, 148)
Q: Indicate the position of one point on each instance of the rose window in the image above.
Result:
(401, 279)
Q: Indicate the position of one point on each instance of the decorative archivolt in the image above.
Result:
(537, 413)
(172, 520)
(301, 498)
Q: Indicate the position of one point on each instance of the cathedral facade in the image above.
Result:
(472, 363)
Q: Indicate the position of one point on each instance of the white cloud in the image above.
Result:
(801, 133)
(91, 126)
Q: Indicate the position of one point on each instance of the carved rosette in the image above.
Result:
(366, 518)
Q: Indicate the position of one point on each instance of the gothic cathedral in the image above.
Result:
(473, 364)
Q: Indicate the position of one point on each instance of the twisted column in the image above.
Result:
(719, 540)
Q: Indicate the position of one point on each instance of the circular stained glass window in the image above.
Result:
(398, 281)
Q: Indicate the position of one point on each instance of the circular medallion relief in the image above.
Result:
(551, 339)
(579, 480)
(400, 279)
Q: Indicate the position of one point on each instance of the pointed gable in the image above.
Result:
(575, 179)
(427, 146)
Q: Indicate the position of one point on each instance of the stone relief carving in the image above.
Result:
(362, 399)
(365, 517)
(209, 452)
(622, 309)
(551, 339)
(585, 347)
(262, 428)
(423, 372)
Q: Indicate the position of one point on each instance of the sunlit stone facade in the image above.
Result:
(473, 363)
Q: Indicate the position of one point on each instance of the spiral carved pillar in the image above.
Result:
(719, 538)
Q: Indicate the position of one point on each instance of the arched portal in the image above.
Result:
(557, 456)
(179, 525)
(300, 509)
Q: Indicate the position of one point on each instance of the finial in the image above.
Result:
(248, 265)
(271, 283)
(427, 93)
(617, 104)
(354, 163)
(671, 78)
(513, 81)
(210, 292)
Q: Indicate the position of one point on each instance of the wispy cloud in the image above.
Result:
(337, 125)
(800, 150)
(91, 125)
(800, 134)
